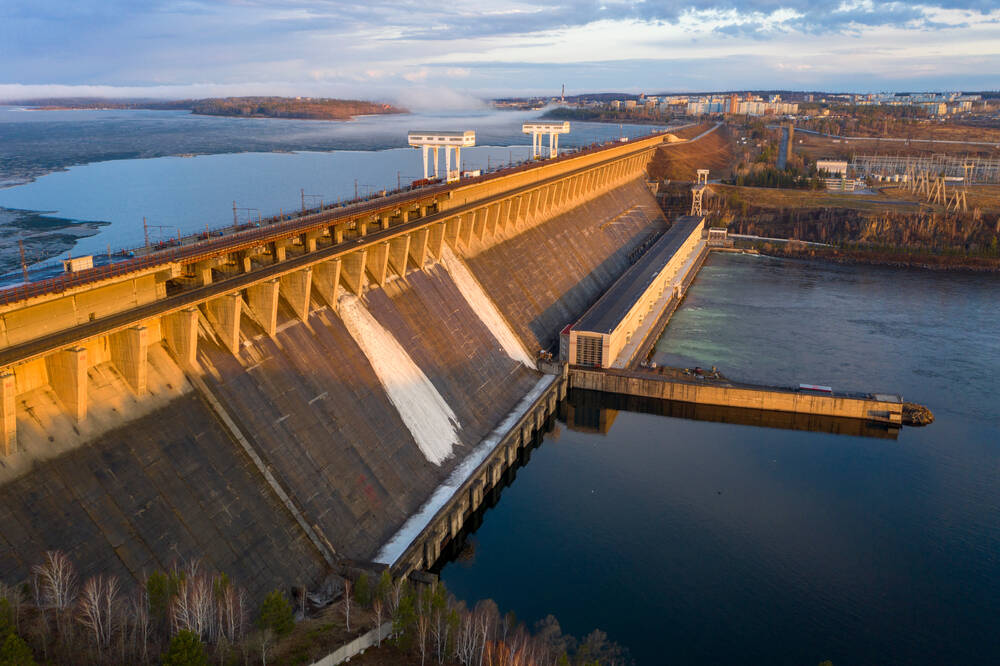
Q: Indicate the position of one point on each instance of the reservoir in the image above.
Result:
(715, 543)
(97, 174)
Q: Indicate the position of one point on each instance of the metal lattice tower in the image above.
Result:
(697, 191)
(972, 169)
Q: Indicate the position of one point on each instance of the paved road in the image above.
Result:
(783, 149)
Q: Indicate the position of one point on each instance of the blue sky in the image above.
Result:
(448, 53)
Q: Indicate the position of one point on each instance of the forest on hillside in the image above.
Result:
(308, 108)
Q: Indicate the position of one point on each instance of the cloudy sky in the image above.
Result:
(448, 51)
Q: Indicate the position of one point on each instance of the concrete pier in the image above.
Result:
(595, 412)
(880, 409)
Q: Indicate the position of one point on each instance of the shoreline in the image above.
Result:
(928, 262)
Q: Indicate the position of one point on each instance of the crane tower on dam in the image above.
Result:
(449, 140)
(540, 128)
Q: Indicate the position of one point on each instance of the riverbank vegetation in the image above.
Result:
(190, 616)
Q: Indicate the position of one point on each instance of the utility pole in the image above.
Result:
(145, 227)
(399, 181)
(303, 193)
(355, 189)
(24, 263)
(236, 222)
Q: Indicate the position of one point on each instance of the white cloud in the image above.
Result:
(381, 48)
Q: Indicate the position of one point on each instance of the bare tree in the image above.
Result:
(232, 613)
(55, 588)
(265, 640)
(347, 602)
(423, 626)
(192, 609)
(98, 610)
(140, 624)
(398, 591)
(56, 581)
(378, 606)
(466, 640)
(488, 618)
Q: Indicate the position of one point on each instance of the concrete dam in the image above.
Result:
(343, 385)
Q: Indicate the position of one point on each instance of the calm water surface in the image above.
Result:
(710, 543)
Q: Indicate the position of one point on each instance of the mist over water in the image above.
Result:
(713, 543)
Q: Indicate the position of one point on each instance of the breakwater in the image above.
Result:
(878, 408)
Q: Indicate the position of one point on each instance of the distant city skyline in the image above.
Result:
(454, 54)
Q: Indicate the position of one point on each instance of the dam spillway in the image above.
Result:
(223, 409)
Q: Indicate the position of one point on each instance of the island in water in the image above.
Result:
(302, 108)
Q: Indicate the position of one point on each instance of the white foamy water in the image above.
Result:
(483, 306)
(431, 421)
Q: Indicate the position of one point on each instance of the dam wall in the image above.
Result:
(283, 407)
(315, 410)
(166, 489)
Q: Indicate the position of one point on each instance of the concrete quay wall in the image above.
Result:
(763, 398)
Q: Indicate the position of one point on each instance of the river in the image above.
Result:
(694, 542)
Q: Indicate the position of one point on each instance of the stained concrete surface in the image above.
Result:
(169, 487)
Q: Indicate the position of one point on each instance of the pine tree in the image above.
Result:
(276, 614)
(186, 649)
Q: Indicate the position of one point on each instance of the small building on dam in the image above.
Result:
(613, 326)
